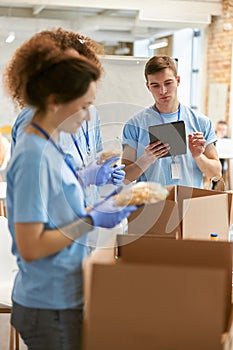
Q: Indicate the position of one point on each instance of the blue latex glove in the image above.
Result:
(97, 174)
(107, 214)
(118, 175)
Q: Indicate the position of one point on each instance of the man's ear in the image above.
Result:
(147, 85)
(178, 80)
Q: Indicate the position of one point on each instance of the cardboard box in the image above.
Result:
(160, 219)
(202, 212)
(158, 294)
(189, 213)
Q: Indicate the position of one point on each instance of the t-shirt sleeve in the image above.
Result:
(30, 191)
(18, 128)
(209, 133)
(130, 135)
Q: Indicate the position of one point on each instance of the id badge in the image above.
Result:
(88, 158)
(176, 170)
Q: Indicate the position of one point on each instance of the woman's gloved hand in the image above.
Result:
(117, 176)
(107, 214)
(101, 174)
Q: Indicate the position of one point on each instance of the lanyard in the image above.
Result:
(66, 159)
(86, 135)
(163, 120)
(78, 149)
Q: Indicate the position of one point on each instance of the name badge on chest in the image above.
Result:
(176, 170)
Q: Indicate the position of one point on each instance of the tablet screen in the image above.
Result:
(172, 133)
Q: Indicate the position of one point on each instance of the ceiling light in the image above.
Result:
(10, 38)
(122, 51)
(158, 44)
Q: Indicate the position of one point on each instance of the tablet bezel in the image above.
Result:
(172, 133)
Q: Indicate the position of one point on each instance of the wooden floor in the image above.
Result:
(4, 333)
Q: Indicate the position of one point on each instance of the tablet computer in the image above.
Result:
(172, 133)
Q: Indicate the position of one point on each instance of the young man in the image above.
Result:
(145, 161)
(221, 129)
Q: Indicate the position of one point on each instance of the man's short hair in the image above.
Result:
(158, 63)
(223, 122)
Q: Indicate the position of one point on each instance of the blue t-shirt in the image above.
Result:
(42, 188)
(136, 135)
(87, 136)
(20, 125)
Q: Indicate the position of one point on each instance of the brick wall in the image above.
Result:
(219, 51)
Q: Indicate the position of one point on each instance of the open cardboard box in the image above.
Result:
(188, 213)
(202, 212)
(160, 218)
(158, 294)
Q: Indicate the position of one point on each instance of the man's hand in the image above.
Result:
(156, 150)
(197, 144)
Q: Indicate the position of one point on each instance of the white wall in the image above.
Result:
(182, 49)
(121, 94)
(126, 80)
(8, 110)
(141, 48)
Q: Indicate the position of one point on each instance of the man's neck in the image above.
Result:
(167, 109)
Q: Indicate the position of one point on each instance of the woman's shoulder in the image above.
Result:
(30, 149)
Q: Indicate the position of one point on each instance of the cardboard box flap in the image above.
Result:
(230, 201)
(153, 249)
(198, 223)
(189, 253)
(185, 192)
(161, 218)
(172, 192)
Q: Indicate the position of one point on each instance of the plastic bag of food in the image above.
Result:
(141, 193)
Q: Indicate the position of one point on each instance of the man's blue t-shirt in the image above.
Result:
(136, 135)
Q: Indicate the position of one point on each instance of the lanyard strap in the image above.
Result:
(78, 149)
(163, 120)
(86, 135)
(47, 136)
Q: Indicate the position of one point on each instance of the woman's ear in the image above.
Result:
(53, 105)
(178, 80)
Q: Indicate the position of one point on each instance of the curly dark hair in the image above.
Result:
(64, 77)
(41, 47)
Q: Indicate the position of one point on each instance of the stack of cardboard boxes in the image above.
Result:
(151, 291)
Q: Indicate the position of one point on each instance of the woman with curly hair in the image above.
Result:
(82, 148)
(45, 200)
